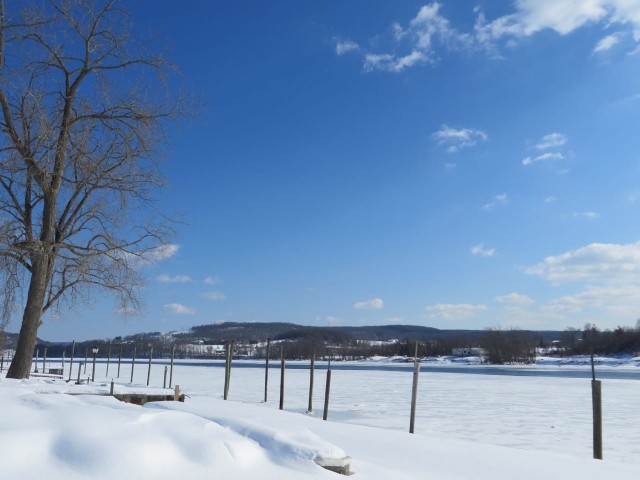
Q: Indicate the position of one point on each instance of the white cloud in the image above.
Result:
(543, 158)
(418, 42)
(550, 199)
(456, 311)
(606, 43)
(373, 304)
(448, 166)
(514, 298)
(345, 46)
(563, 16)
(500, 199)
(428, 31)
(212, 281)
(175, 279)
(179, 309)
(483, 252)
(597, 262)
(552, 140)
(214, 296)
(458, 138)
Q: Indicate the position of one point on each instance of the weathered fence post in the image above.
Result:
(133, 363)
(282, 366)
(266, 370)
(111, 389)
(164, 382)
(119, 359)
(227, 369)
(44, 361)
(78, 382)
(176, 395)
(86, 355)
(108, 360)
(327, 390)
(311, 372)
(73, 350)
(173, 351)
(64, 351)
(414, 390)
(36, 362)
(149, 370)
(2, 362)
(596, 400)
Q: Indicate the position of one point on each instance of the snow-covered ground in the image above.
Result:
(468, 426)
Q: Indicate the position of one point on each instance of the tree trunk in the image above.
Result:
(31, 320)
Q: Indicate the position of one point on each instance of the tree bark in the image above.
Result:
(31, 320)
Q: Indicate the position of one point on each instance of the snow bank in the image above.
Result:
(46, 434)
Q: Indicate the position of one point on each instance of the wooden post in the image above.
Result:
(86, 355)
(173, 351)
(36, 362)
(176, 395)
(44, 361)
(79, 369)
(133, 363)
(414, 390)
(119, 360)
(164, 382)
(149, 370)
(311, 372)
(596, 400)
(111, 389)
(64, 351)
(2, 362)
(282, 377)
(327, 390)
(266, 370)
(227, 367)
(73, 349)
(108, 360)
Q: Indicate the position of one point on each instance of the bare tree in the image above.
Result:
(82, 106)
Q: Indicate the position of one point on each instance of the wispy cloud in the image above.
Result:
(500, 199)
(372, 304)
(214, 295)
(179, 309)
(453, 311)
(606, 43)
(587, 215)
(550, 199)
(552, 140)
(482, 251)
(455, 139)
(175, 279)
(543, 158)
(345, 46)
(391, 63)
(212, 281)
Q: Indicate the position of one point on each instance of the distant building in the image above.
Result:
(469, 352)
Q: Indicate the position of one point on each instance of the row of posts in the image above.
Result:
(94, 350)
(596, 390)
(596, 385)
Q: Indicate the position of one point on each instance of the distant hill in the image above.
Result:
(253, 332)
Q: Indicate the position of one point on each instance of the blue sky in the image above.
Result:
(451, 164)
